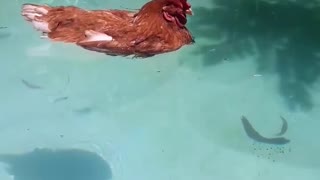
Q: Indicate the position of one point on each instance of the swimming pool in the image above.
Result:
(67, 113)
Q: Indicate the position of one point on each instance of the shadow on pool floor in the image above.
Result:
(46, 164)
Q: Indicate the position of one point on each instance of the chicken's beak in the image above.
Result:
(189, 11)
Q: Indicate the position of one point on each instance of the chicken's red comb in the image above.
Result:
(186, 4)
(182, 3)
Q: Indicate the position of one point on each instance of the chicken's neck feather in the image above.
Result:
(151, 14)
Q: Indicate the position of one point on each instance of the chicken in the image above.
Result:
(158, 27)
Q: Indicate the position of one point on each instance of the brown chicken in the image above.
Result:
(158, 27)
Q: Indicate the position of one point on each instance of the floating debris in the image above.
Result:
(4, 33)
(253, 134)
(60, 99)
(30, 85)
(85, 110)
(284, 127)
(270, 152)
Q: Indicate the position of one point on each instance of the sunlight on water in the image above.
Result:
(68, 113)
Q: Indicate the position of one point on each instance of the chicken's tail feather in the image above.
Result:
(34, 13)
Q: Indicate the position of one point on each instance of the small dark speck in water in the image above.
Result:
(60, 99)
(30, 85)
(158, 71)
(270, 152)
(61, 135)
(4, 34)
(28, 129)
(85, 110)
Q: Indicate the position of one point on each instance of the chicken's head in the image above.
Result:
(176, 11)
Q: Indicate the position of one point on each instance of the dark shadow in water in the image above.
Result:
(285, 36)
(46, 164)
(3, 32)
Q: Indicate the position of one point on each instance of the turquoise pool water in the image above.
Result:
(70, 114)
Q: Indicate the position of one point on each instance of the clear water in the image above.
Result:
(174, 116)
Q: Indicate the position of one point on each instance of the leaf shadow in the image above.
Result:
(284, 35)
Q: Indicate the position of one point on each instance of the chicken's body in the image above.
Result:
(114, 32)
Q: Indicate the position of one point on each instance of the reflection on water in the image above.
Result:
(284, 35)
